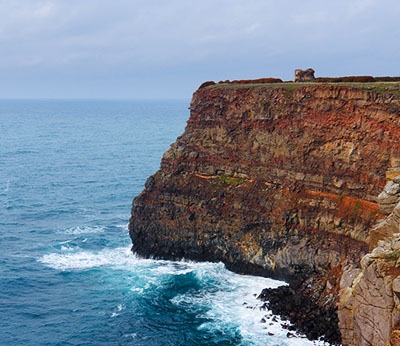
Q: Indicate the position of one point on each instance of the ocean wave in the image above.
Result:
(123, 226)
(67, 248)
(77, 230)
(225, 301)
(120, 307)
(87, 259)
(183, 267)
(233, 305)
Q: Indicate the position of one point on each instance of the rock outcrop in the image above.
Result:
(278, 180)
(304, 75)
(369, 309)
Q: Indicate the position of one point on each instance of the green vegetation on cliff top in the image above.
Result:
(378, 87)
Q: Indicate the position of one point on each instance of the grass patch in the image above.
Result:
(231, 180)
(373, 215)
(392, 88)
(392, 256)
(290, 88)
(340, 197)
(357, 206)
(378, 87)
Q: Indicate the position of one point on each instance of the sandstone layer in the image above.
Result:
(277, 180)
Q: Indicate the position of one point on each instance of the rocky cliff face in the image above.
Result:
(278, 180)
(369, 309)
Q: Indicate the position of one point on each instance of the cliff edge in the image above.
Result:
(280, 180)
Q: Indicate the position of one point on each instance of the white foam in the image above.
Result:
(228, 300)
(171, 268)
(131, 335)
(65, 242)
(202, 270)
(138, 290)
(119, 258)
(77, 230)
(120, 307)
(123, 226)
(67, 248)
(234, 303)
(78, 260)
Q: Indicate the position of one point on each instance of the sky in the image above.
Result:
(164, 49)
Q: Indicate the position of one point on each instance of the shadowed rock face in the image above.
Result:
(276, 180)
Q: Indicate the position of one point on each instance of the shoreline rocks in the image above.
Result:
(294, 303)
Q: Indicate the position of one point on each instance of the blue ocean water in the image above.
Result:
(68, 173)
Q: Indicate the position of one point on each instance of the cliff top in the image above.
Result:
(376, 84)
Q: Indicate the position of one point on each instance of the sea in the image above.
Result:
(69, 170)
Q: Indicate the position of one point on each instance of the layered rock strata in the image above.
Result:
(369, 309)
(278, 180)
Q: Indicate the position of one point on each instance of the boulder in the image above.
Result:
(390, 196)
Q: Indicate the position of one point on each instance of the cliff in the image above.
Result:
(278, 180)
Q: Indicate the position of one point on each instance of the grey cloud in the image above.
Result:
(181, 41)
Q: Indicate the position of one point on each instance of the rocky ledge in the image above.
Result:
(280, 180)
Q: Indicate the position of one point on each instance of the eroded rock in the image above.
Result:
(369, 309)
(304, 75)
(390, 196)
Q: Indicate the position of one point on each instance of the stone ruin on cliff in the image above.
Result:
(304, 75)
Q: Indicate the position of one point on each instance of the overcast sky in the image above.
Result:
(167, 48)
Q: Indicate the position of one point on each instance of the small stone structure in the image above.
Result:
(304, 75)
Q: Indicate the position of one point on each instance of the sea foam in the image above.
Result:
(231, 299)
(80, 260)
(77, 230)
(224, 299)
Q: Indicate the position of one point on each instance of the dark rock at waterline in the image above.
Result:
(291, 303)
